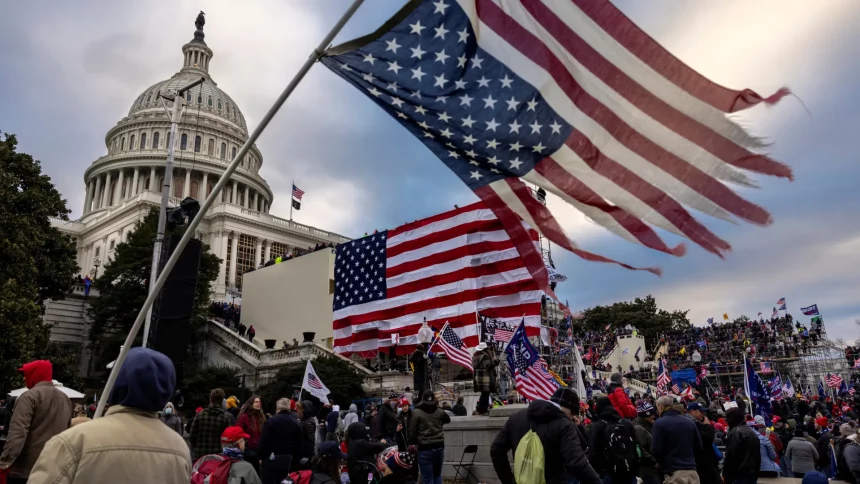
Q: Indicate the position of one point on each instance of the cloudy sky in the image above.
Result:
(69, 73)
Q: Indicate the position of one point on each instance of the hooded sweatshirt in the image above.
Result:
(351, 417)
(425, 427)
(40, 413)
(129, 441)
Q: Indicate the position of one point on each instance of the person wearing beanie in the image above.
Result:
(675, 442)
(619, 397)
(823, 445)
(707, 464)
(326, 464)
(801, 453)
(643, 426)
(814, 477)
(128, 444)
(551, 421)
(742, 457)
(41, 412)
(425, 431)
(233, 406)
(769, 454)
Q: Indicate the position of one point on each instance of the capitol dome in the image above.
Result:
(211, 131)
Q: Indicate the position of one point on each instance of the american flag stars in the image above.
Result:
(360, 271)
(474, 113)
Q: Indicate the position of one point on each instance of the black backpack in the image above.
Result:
(622, 452)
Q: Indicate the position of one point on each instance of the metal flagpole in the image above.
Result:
(216, 191)
(291, 200)
(178, 99)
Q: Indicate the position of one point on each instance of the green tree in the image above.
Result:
(641, 313)
(341, 378)
(200, 380)
(124, 286)
(37, 261)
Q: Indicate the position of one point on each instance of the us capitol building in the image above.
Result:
(123, 185)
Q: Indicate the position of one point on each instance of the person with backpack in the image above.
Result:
(848, 456)
(612, 445)
(742, 458)
(280, 444)
(643, 425)
(425, 431)
(675, 442)
(543, 438)
(325, 467)
(228, 466)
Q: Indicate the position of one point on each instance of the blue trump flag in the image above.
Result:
(687, 375)
(821, 393)
(756, 390)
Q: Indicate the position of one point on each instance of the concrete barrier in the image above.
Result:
(480, 431)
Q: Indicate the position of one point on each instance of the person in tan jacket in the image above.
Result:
(129, 444)
(40, 413)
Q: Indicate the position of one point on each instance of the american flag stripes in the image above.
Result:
(502, 334)
(663, 378)
(531, 377)
(570, 96)
(676, 389)
(314, 382)
(445, 268)
(449, 343)
(297, 192)
(833, 380)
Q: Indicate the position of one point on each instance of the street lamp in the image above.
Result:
(96, 263)
(425, 334)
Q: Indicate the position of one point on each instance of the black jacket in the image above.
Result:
(707, 464)
(281, 436)
(563, 452)
(402, 437)
(309, 430)
(607, 415)
(647, 462)
(387, 421)
(823, 448)
(459, 410)
(742, 456)
(362, 452)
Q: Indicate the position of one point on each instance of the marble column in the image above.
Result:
(203, 192)
(152, 180)
(256, 201)
(234, 247)
(268, 253)
(223, 255)
(258, 252)
(247, 201)
(134, 181)
(186, 190)
(119, 197)
(88, 198)
(234, 194)
(96, 198)
(106, 196)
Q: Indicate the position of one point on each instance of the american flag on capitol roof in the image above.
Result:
(446, 268)
(573, 97)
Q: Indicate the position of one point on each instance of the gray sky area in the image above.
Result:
(70, 71)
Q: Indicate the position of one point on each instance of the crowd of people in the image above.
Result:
(293, 254)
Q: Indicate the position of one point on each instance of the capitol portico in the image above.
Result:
(125, 183)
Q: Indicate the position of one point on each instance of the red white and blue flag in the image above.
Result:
(449, 343)
(313, 384)
(297, 192)
(531, 377)
(663, 378)
(833, 380)
(570, 96)
(445, 268)
(810, 310)
(781, 303)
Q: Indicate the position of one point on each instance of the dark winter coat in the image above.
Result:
(802, 454)
(459, 410)
(823, 448)
(419, 371)
(597, 434)
(707, 464)
(281, 436)
(484, 378)
(425, 427)
(387, 421)
(309, 429)
(675, 442)
(362, 452)
(563, 452)
(402, 437)
(742, 455)
(647, 462)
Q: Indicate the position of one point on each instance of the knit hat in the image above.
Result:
(615, 378)
(720, 427)
(821, 422)
(566, 397)
(232, 402)
(645, 409)
(759, 421)
(403, 460)
(846, 430)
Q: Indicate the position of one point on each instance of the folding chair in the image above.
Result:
(470, 449)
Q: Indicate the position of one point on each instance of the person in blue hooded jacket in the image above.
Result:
(129, 444)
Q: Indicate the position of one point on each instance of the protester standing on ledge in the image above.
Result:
(484, 377)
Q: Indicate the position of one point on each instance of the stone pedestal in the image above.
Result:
(464, 431)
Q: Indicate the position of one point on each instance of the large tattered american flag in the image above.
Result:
(571, 96)
(443, 268)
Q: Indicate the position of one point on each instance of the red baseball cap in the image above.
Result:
(821, 422)
(403, 402)
(233, 434)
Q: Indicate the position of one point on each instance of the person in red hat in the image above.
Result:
(41, 412)
(229, 465)
(403, 421)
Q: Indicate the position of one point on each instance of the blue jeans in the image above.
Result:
(430, 465)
